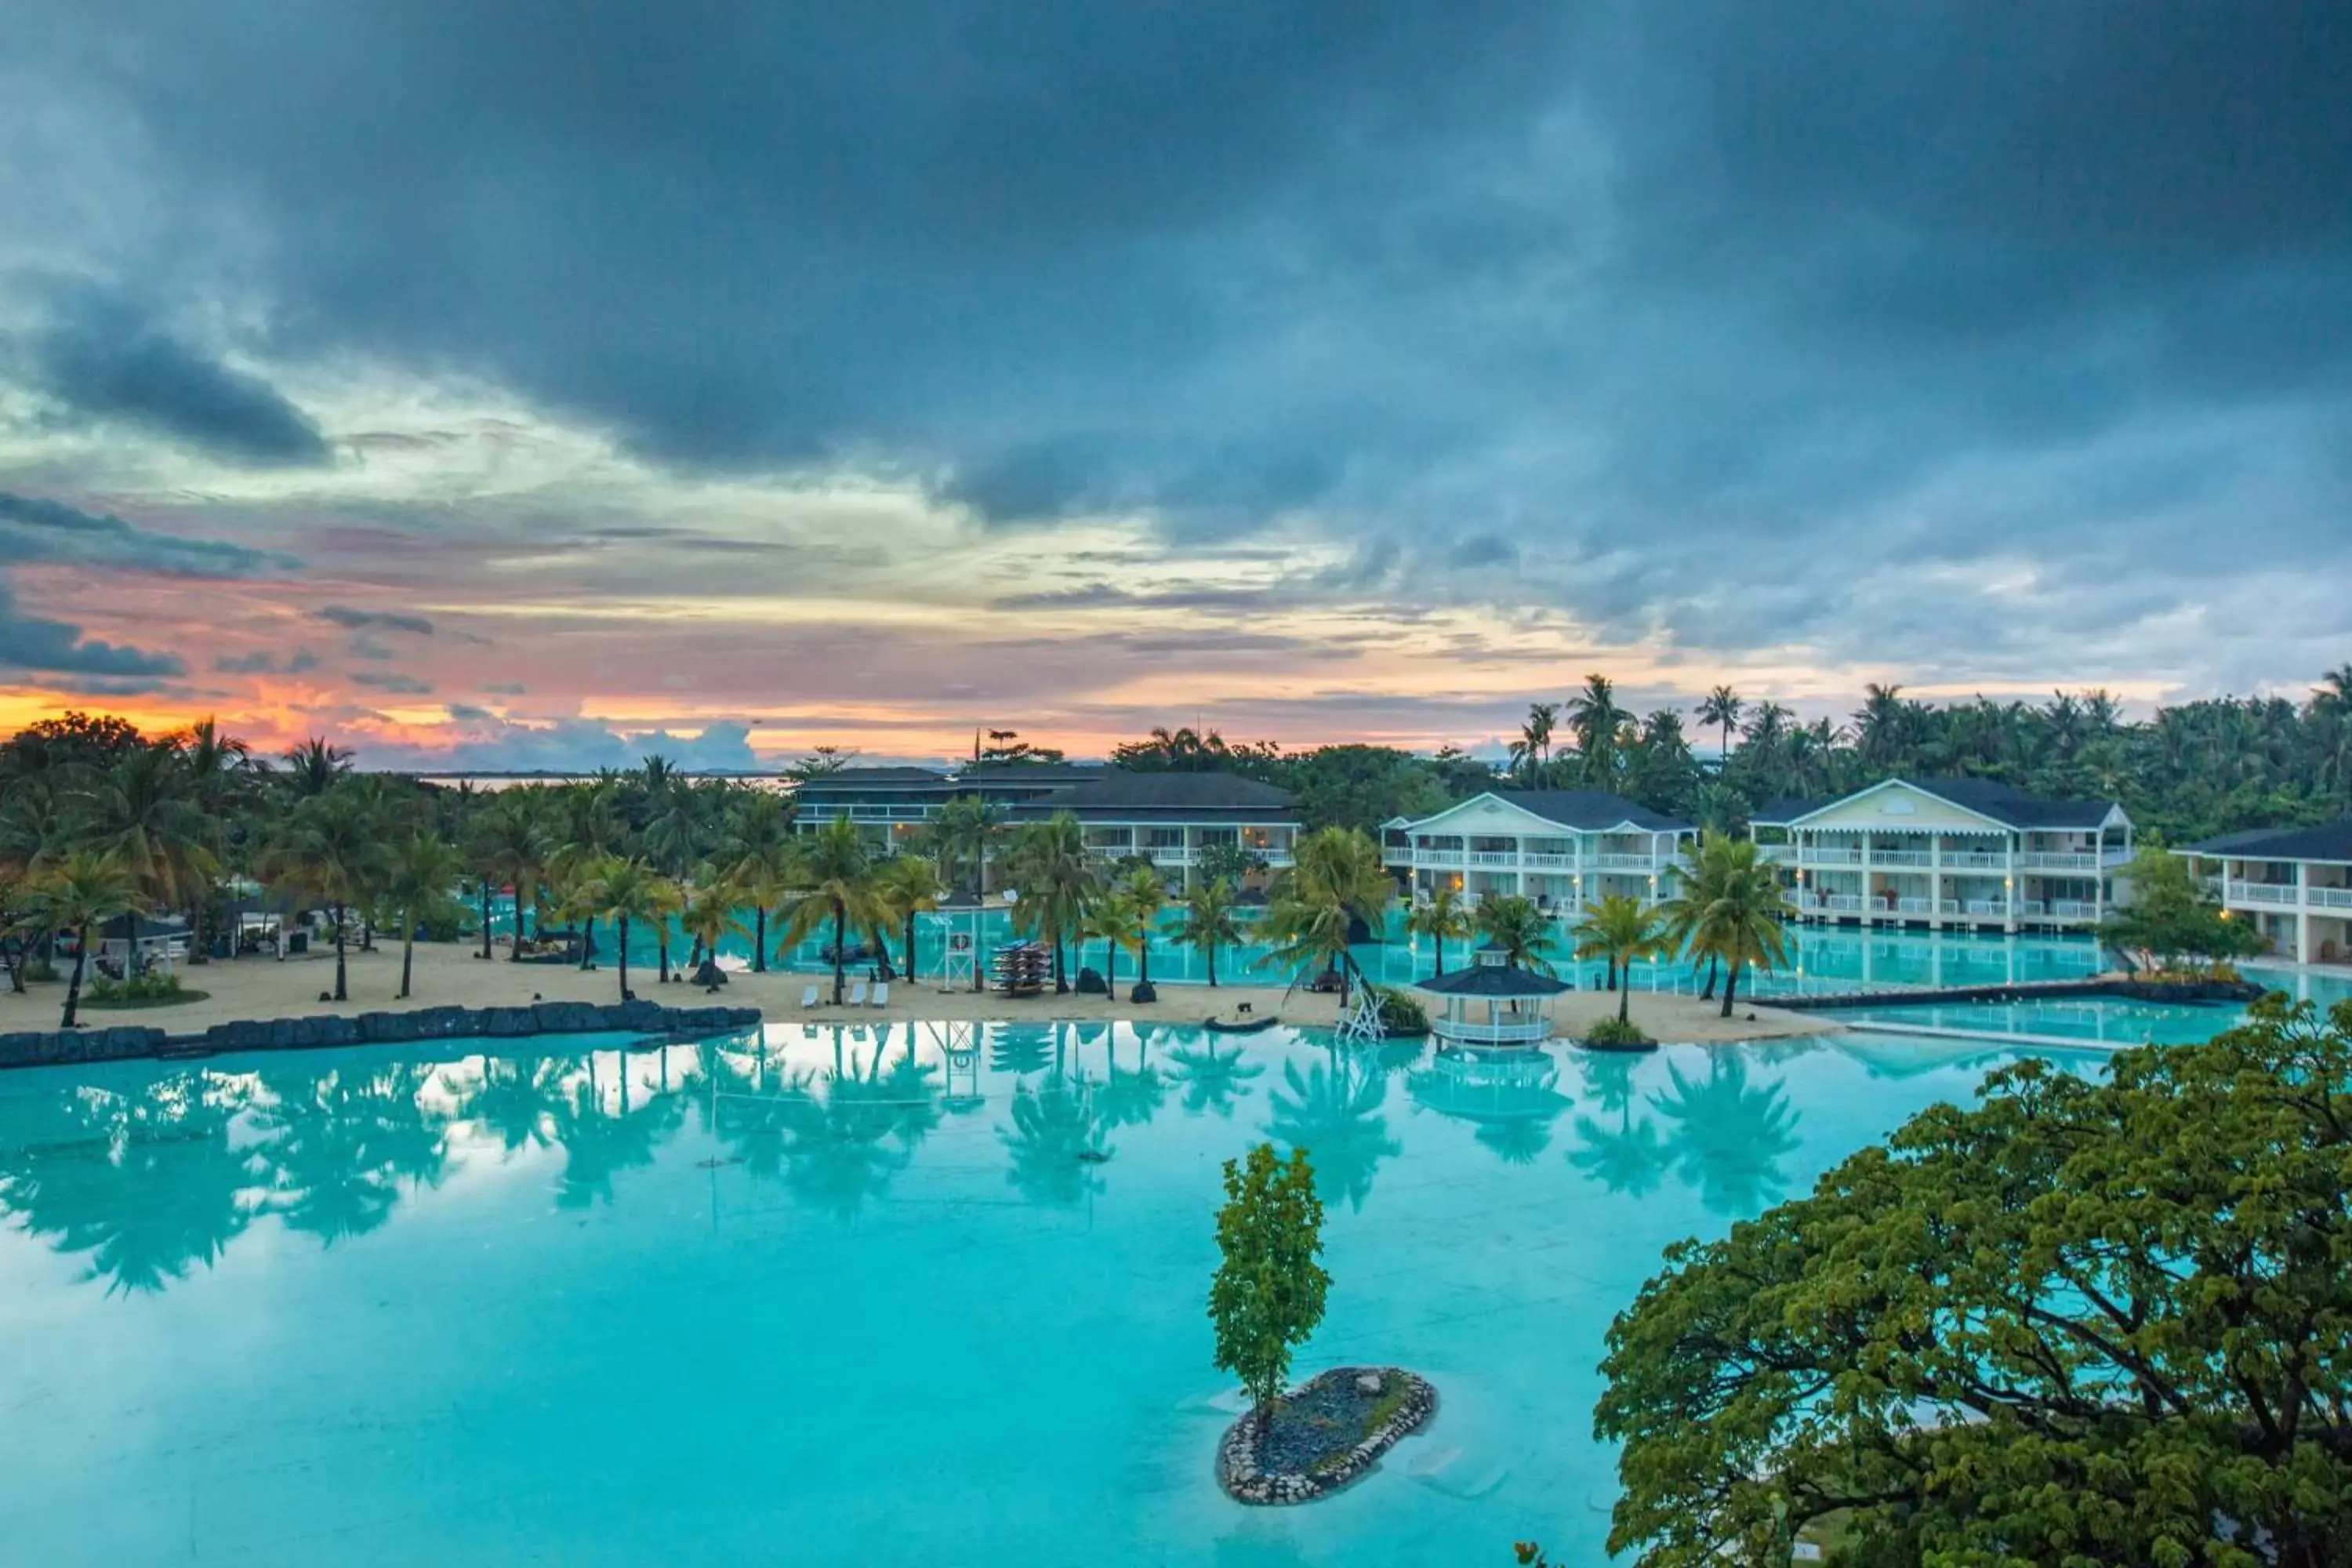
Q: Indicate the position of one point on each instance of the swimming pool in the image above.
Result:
(839, 1295)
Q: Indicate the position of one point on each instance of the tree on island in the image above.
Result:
(2174, 923)
(1268, 1293)
(1620, 929)
(2088, 1320)
(1441, 917)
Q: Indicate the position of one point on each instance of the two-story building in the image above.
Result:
(1173, 819)
(1948, 852)
(2294, 883)
(1564, 849)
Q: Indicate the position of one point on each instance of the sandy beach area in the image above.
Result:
(447, 973)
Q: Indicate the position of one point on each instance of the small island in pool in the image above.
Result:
(1323, 1434)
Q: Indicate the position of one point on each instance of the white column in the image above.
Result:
(1936, 887)
(2009, 887)
(1869, 901)
(2302, 912)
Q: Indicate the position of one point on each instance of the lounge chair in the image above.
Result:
(808, 996)
(857, 994)
(881, 995)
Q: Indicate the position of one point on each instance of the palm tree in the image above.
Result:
(1705, 865)
(836, 875)
(1722, 709)
(416, 884)
(1334, 882)
(1595, 717)
(1743, 921)
(142, 812)
(1148, 894)
(1208, 922)
(509, 844)
(218, 769)
(80, 892)
(668, 900)
(759, 848)
(1113, 920)
(328, 853)
(1523, 932)
(589, 832)
(1533, 748)
(964, 829)
(1621, 931)
(1441, 916)
(1048, 860)
(709, 916)
(312, 767)
(625, 890)
(908, 886)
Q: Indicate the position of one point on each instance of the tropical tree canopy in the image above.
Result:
(2171, 921)
(2087, 1321)
(1269, 1290)
(1525, 933)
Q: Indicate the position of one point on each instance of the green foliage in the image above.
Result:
(1400, 1013)
(1524, 932)
(1443, 918)
(1622, 931)
(1208, 922)
(1228, 863)
(150, 988)
(2173, 919)
(1617, 1031)
(1269, 1292)
(2085, 1321)
(1335, 880)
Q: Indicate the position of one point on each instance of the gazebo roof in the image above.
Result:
(1493, 980)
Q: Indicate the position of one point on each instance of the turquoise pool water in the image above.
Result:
(838, 1296)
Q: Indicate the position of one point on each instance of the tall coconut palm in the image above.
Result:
(1595, 717)
(1524, 932)
(623, 890)
(1048, 861)
(1722, 709)
(219, 772)
(1744, 923)
(1441, 917)
(1146, 892)
(510, 844)
(1704, 866)
(1335, 881)
(588, 832)
(837, 881)
(709, 916)
(759, 852)
(1207, 923)
(667, 901)
(966, 828)
(1115, 922)
(416, 884)
(1621, 930)
(908, 886)
(80, 892)
(313, 767)
(142, 811)
(329, 854)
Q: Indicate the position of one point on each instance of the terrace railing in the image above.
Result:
(1973, 861)
(1502, 1032)
(2261, 892)
(1828, 855)
(1494, 857)
(2331, 898)
(1626, 862)
(2056, 861)
(1901, 858)
(2074, 909)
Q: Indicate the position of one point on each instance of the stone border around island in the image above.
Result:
(1238, 1470)
(63, 1047)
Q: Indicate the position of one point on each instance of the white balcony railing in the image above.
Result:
(1504, 857)
(2055, 861)
(1625, 862)
(2331, 898)
(2261, 893)
(1842, 903)
(2074, 909)
(1437, 856)
(1823, 855)
(1915, 905)
(1987, 907)
(1531, 1031)
(1973, 861)
(1779, 854)
(1948, 905)
(2031, 907)
(1539, 862)
(1901, 858)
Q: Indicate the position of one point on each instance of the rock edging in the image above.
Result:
(119, 1044)
(1244, 1482)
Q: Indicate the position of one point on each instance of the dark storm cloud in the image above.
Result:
(36, 645)
(33, 529)
(102, 360)
(1603, 301)
(391, 681)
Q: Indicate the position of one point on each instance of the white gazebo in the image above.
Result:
(1492, 1003)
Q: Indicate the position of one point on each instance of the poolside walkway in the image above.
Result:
(446, 973)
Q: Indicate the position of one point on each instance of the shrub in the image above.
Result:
(154, 985)
(1401, 1014)
(1614, 1032)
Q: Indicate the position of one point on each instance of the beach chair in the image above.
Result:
(857, 994)
(808, 996)
(881, 995)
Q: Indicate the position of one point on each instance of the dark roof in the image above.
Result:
(118, 928)
(2329, 841)
(1786, 809)
(1493, 980)
(1030, 772)
(2005, 803)
(1590, 810)
(1119, 794)
(869, 778)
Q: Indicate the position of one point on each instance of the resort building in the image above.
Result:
(2294, 883)
(1177, 821)
(1562, 847)
(1948, 852)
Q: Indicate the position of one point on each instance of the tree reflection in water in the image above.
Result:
(1130, 1098)
(1213, 1081)
(1629, 1157)
(1056, 1141)
(144, 1180)
(1729, 1137)
(345, 1144)
(1508, 1098)
(600, 1144)
(1333, 1111)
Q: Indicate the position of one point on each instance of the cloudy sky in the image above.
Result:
(530, 383)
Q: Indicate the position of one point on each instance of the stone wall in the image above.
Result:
(120, 1043)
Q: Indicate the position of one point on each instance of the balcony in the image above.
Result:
(1915, 905)
(2073, 909)
(1438, 858)
(2055, 860)
(1532, 1031)
(1535, 862)
(1823, 855)
(2262, 893)
(1901, 858)
(1502, 858)
(2330, 897)
(1645, 863)
(1779, 854)
(1974, 860)
(1840, 903)
(1993, 906)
